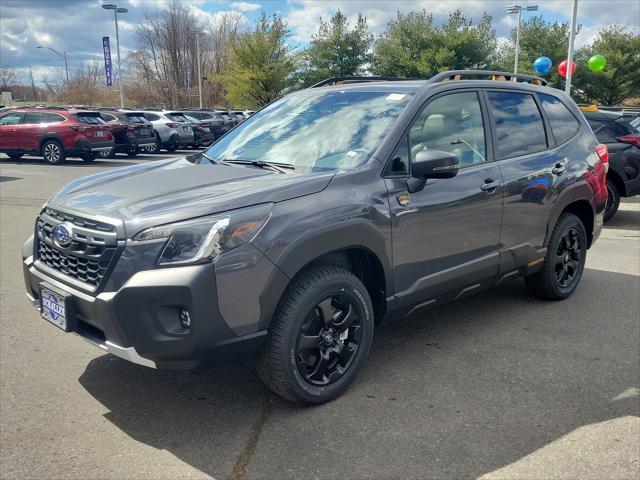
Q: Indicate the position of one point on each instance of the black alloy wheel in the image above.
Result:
(329, 340)
(564, 261)
(568, 257)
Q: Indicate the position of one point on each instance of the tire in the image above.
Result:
(53, 152)
(296, 372)
(158, 145)
(15, 156)
(89, 157)
(550, 283)
(172, 148)
(613, 200)
(132, 152)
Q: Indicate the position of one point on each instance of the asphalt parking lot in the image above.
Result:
(499, 385)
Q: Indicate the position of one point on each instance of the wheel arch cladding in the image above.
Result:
(583, 210)
(49, 137)
(356, 245)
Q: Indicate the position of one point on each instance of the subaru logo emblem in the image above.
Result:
(62, 234)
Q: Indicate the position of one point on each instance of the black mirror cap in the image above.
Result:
(434, 164)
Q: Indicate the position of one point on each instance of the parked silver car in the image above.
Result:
(172, 130)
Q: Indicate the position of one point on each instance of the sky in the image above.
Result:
(77, 26)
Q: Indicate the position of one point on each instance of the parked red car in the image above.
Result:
(54, 134)
(130, 130)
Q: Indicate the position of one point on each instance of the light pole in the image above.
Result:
(572, 35)
(518, 9)
(116, 11)
(63, 54)
(197, 34)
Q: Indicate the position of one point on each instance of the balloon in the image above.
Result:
(597, 63)
(562, 68)
(542, 65)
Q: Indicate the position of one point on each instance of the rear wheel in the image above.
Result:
(172, 148)
(613, 200)
(564, 263)
(53, 152)
(15, 156)
(320, 336)
(133, 151)
(156, 148)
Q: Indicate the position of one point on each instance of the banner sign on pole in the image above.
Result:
(107, 60)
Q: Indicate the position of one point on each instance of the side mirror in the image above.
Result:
(434, 164)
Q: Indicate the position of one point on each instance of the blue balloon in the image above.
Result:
(542, 65)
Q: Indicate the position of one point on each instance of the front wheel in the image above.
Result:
(319, 338)
(89, 157)
(613, 200)
(564, 262)
(15, 156)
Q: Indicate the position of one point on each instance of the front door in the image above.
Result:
(8, 123)
(445, 236)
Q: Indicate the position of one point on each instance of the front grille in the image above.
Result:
(90, 253)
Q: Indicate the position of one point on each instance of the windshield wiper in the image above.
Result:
(279, 167)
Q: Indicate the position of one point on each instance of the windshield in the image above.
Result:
(314, 130)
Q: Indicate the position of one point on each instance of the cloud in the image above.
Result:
(246, 6)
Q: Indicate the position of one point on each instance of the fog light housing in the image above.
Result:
(185, 318)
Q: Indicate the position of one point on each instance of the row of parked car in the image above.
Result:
(58, 132)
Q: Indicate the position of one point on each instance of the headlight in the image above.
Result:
(203, 238)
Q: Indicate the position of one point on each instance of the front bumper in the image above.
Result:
(140, 321)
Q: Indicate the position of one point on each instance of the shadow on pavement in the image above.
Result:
(456, 392)
(625, 219)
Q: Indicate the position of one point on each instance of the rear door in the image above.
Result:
(446, 236)
(29, 131)
(534, 165)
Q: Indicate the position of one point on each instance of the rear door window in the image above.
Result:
(11, 118)
(518, 124)
(32, 118)
(563, 123)
(53, 118)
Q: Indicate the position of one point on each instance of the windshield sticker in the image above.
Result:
(395, 96)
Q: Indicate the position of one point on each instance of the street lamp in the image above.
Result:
(116, 11)
(518, 9)
(197, 34)
(63, 54)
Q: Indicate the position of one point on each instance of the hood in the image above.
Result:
(151, 194)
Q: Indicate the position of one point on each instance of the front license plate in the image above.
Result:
(53, 308)
(99, 133)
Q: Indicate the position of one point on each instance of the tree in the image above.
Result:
(336, 50)
(621, 77)
(538, 38)
(262, 64)
(413, 46)
(8, 77)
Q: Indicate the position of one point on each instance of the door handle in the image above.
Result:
(490, 185)
(559, 167)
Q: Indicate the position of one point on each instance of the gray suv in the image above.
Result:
(324, 213)
(171, 129)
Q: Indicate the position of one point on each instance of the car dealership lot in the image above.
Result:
(498, 385)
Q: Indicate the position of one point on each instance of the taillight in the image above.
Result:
(632, 139)
(603, 155)
(172, 125)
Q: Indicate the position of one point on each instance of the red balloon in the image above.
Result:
(562, 68)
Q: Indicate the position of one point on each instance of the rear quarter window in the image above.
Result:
(563, 123)
(518, 124)
(152, 117)
(53, 118)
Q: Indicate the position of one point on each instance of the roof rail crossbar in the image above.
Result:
(355, 79)
(488, 74)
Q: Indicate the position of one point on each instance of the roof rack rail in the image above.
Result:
(55, 107)
(487, 74)
(355, 79)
